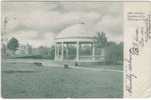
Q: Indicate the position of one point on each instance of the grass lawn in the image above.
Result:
(21, 80)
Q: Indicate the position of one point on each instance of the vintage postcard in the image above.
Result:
(75, 49)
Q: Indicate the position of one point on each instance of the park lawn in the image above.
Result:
(20, 80)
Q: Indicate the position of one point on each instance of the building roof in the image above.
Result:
(76, 31)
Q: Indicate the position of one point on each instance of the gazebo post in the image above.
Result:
(56, 51)
(93, 51)
(62, 51)
(67, 50)
(77, 51)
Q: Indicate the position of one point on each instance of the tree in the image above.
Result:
(52, 52)
(13, 44)
(114, 53)
(120, 51)
(101, 40)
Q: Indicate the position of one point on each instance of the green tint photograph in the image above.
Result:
(62, 49)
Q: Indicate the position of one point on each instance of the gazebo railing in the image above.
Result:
(85, 57)
(96, 57)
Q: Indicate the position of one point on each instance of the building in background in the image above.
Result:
(24, 50)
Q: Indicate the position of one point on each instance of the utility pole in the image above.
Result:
(3, 46)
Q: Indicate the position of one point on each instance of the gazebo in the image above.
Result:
(77, 43)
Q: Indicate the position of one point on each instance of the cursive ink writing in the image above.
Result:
(142, 36)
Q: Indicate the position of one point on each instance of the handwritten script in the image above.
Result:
(142, 36)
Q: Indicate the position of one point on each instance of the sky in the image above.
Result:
(38, 23)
